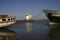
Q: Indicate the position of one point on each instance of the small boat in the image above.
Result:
(5, 20)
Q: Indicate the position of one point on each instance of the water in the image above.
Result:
(38, 30)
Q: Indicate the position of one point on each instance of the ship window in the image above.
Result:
(49, 14)
(9, 19)
(3, 19)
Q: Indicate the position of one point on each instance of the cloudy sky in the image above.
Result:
(19, 8)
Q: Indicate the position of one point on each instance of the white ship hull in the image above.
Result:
(6, 24)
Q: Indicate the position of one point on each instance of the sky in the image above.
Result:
(19, 8)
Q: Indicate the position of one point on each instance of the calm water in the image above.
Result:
(38, 30)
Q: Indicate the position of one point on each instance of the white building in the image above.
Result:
(28, 17)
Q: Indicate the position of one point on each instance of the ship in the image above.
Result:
(53, 16)
(5, 20)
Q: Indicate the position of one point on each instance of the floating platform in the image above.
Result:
(28, 20)
(19, 21)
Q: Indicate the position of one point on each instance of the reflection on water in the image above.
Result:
(54, 33)
(36, 31)
(28, 26)
(6, 34)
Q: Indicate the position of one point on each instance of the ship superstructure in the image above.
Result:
(5, 20)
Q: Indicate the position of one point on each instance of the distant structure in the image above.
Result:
(28, 16)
